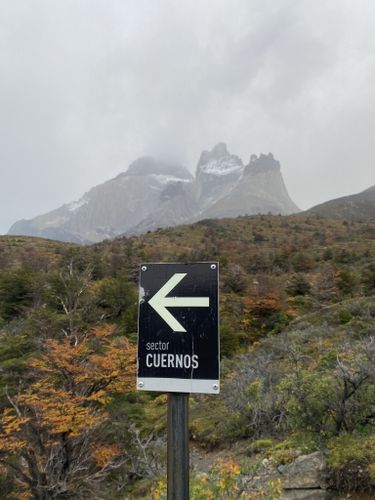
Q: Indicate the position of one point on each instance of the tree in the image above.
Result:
(51, 435)
(265, 313)
(16, 293)
(69, 293)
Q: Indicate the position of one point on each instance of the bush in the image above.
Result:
(259, 445)
(302, 262)
(298, 285)
(346, 282)
(368, 278)
(351, 458)
(16, 293)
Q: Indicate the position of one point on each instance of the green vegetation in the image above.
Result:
(297, 336)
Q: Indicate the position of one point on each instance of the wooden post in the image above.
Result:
(178, 446)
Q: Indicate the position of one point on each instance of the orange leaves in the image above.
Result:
(104, 455)
(58, 411)
(87, 367)
(264, 304)
(71, 377)
(11, 423)
(59, 415)
(10, 441)
(264, 313)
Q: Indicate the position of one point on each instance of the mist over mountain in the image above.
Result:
(152, 194)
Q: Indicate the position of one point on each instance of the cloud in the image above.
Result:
(86, 86)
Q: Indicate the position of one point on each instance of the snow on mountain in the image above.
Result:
(75, 205)
(152, 194)
(222, 166)
(217, 173)
(261, 189)
(166, 179)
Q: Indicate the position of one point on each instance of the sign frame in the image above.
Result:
(178, 327)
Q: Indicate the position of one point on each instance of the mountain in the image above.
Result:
(261, 190)
(152, 194)
(112, 208)
(357, 207)
(217, 174)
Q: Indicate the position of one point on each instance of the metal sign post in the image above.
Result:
(178, 349)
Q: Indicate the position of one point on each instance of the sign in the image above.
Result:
(178, 328)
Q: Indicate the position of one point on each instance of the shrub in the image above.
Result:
(259, 445)
(302, 262)
(351, 458)
(16, 293)
(368, 278)
(298, 285)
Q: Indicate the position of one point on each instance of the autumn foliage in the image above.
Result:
(50, 434)
(264, 313)
(297, 320)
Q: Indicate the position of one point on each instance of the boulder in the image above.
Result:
(312, 494)
(306, 472)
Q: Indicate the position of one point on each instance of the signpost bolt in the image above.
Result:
(140, 384)
(144, 268)
(213, 266)
(215, 387)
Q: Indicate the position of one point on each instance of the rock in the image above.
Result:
(307, 471)
(261, 164)
(312, 494)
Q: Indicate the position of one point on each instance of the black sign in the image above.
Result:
(178, 342)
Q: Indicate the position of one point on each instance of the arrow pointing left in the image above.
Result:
(160, 302)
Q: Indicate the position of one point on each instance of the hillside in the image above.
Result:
(297, 322)
(152, 194)
(358, 207)
(25, 251)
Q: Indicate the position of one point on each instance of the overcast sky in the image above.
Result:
(87, 86)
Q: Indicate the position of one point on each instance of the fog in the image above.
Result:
(87, 86)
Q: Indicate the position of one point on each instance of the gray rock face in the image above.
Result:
(153, 194)
(113, 208)
(303, 479)
(218, 172)
(306, 472)
(260, 189)
(314, 494)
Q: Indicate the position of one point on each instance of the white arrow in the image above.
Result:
(159, 302)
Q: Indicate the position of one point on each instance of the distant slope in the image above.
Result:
(357, 207)
(37, 254)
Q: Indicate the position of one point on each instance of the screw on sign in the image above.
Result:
(178, 343)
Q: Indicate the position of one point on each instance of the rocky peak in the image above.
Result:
(219, 161)
(218, 172)
(155, 193)
(263, 163)
(217, 152)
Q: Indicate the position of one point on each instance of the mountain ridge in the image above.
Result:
(152, 194)
(357, 207)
